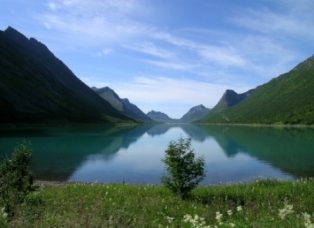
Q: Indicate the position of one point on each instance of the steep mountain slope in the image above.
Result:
(159, 116)
(122, 105)
(35, 86)
(230, 98)
(287, 99)
(195, 114)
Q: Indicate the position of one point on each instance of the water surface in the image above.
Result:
(132, 154)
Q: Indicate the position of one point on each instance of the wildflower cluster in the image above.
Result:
(307, 220)
(167, 218)
(197, 222)
(288, 209)
(219, 217)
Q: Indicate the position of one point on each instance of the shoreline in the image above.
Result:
(23, 126)
(256, 125)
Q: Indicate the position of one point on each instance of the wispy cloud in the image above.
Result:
(176, 96)
(296, 22)
(94, 22)
(164, 90)
(252, 46)
(222, 55)
(151, 49)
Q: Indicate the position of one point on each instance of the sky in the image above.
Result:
(170, 55)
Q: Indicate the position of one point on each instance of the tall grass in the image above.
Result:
(264, 203)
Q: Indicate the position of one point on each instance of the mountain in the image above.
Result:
(37, 87)
(159, 116)
(122, 105)
(230, 98)
(287, 99)
(195, 114)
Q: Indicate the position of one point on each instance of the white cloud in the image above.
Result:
(107, 51)
(52, 6)
(222, 55)
(255, 45)
(93, 22)
(151, 49)
(172, 96)
(292, 23)
(163, 90)
(175, 65)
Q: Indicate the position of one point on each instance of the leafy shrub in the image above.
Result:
(15, 178)
(184, 171)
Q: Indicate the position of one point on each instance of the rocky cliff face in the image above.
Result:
(35, 86)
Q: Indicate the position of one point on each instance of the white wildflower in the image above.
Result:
(169, 219)
(307, 221)
(187, 218)
(229, 212)
(218, 216)
(197, 222)
(288, 209)
(4, 215)
(239, 208)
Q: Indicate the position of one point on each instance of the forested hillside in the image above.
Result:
(287, 99)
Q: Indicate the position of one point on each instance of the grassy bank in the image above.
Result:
(263, 203)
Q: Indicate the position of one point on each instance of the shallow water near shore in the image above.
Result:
(132, 154)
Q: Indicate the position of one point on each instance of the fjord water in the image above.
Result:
(132, 154)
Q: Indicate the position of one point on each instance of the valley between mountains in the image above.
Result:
(36, 87)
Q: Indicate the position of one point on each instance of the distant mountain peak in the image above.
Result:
(198, 107)
(123, 105)
(286, 99)
(195, 113)
(231, 98)
(159, 116)
(154, 112)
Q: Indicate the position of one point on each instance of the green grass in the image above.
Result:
(264, 203)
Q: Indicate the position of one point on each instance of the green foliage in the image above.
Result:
(264, 203)
(287, 99)
(184, 171)
(15, 178)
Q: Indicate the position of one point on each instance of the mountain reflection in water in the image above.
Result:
(132, 153)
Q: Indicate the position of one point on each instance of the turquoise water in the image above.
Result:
(133, 154)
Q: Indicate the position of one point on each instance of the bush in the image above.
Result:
(15, 178)
(184, 171)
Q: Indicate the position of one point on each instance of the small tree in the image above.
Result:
(16, 180)
(184, 171)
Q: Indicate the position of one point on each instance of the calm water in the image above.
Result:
(132, 154)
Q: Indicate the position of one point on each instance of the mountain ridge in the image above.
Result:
(159, 116)
(195, 113)
(36, 86)
(122, 104)
(286, 99)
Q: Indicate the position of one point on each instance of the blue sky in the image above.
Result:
(170, 55)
